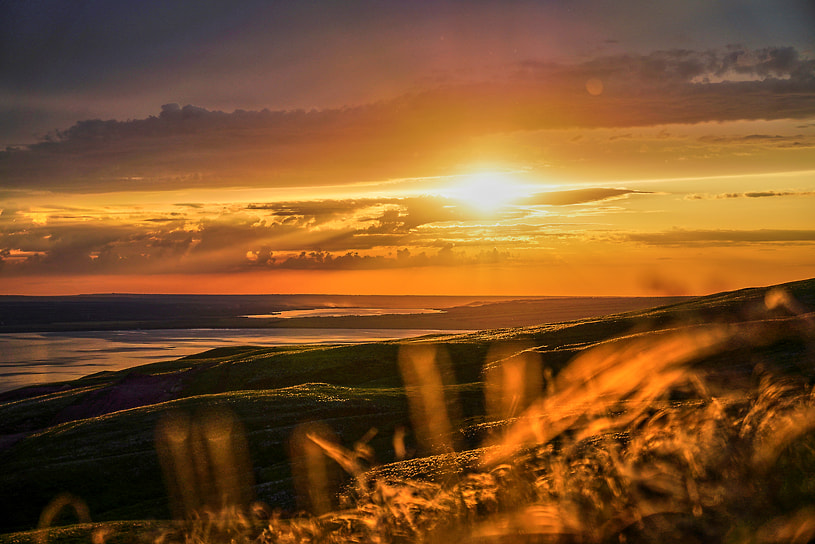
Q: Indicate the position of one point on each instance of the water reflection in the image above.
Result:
(37, 358)
(344, 312)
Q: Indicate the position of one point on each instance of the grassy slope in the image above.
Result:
(95, 437)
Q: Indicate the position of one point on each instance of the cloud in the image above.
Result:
(577, 196)
(750, 194)
(766, 141)
(402, 258)
(680, 237)
(414, 135)
(733, 64)
(326, 234)
(397, 215)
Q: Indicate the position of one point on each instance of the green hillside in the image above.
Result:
(705, 367)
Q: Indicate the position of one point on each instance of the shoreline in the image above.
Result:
(151, 312)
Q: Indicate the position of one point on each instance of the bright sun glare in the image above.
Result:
(486, 192)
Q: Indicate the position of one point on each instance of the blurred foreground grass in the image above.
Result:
(689, 423)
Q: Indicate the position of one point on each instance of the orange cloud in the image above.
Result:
(419, 134)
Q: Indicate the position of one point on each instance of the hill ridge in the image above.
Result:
(110, 450)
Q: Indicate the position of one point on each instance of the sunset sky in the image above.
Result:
(513, 148)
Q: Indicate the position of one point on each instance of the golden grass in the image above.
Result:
(629, 443)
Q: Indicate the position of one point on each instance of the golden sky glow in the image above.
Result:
(509, 164)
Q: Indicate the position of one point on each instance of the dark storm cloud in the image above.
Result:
(415, 135)
(724, 237)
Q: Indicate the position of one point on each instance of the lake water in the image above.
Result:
(346, 312)
(36, 358)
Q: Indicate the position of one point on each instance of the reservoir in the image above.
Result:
(43, 357)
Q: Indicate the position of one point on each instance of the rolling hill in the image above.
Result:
(237, 426)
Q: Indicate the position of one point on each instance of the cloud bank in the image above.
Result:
(749, 194)
(348, 234)
(427, 132)
(680, 237)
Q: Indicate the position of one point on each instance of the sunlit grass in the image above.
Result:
(607, 454)
(697, 431)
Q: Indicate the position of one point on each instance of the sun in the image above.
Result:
(486, 192)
